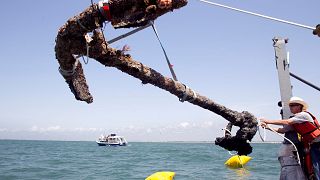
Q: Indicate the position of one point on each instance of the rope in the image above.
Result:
(88, 47)
(298, 157)
(264, 138)
(104, 41)
(194, 96)
(226, 130)
(129, 33)
(67, 73)
(264, 133)
(164, 51)
(260, 15)
(88, 40)
(185, 95)
(240, 161)
(224, 134)
(84, 60)
(81, 25)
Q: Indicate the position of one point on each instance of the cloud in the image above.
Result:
(207, 124)
(184, 124)
(60, 129)
(132, 129)
(48, 129)
(3, 130)
(86, 129)
(54, 128)
(34, 128)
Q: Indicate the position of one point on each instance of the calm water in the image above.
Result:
(85, 160)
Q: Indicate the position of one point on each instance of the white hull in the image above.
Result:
(102, 143)
(111, 140)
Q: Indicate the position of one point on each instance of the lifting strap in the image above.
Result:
(165, 54)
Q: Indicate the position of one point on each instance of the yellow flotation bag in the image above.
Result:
(165, 175)
(237, 161)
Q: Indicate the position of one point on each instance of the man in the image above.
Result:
(307, 126)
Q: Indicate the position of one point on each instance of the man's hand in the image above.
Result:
(164, 4)
(263, 122)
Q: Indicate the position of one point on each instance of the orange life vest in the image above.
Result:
(308, 130)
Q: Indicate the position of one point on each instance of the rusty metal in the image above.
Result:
(70, 41)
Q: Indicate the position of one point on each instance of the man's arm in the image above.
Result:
(279, 130)
(277, 122)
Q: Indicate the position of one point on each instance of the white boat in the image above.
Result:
(111, 140)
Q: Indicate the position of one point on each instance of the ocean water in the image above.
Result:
(138, 160)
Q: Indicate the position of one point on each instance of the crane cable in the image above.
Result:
(164, 52)
(260, 15)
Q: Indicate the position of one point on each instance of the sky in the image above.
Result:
(224, 55)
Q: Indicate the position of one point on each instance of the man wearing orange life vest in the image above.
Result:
(307, 126)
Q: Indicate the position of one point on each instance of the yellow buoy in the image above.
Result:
(237, 161)
(165, 175)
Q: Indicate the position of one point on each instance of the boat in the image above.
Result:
(111, 140)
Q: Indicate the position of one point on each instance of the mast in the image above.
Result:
(286, 155)
(282, 65)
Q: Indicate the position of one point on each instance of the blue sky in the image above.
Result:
(224, 55)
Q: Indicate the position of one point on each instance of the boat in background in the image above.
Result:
(111, 140)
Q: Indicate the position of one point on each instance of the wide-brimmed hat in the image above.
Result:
(297, 100)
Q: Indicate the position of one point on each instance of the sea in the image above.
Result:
(25, 159)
